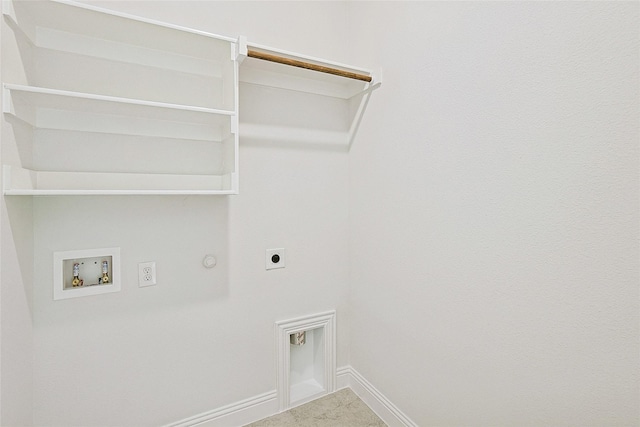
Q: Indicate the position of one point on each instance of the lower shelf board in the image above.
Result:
(118, 192)
(301, 136)
(25, 182)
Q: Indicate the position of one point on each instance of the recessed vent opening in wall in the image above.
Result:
(306, 367)
(306, 370)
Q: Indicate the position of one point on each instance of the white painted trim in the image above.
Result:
(114, 99)
(362, 107)
(284, 328)
(383, 407)
(236, 414)
(66, 3)
(267, 404)
(343, 377)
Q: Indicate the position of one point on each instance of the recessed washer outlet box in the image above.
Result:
(86, 272)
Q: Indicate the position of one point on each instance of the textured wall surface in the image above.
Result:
(16, 275)
(494, 212)
(200, 339)
(480, 241)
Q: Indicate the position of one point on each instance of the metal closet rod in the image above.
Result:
(307, 65)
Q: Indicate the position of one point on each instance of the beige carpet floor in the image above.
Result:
(340, 409)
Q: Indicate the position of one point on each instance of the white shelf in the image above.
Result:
(320, 108)
(109, 103)
(101, 102)
(25, 182)
(57, 23)
(295, 135)
(57, 109)
(81, 48)
(265, 73)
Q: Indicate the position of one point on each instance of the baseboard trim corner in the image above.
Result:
(343, 377)
(267, 404)
(383, 407)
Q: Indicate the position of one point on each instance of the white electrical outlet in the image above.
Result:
(146, 274)
(275, 258)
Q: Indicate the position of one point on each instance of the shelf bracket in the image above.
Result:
(6, 100)
(355, 124)
(8, 10)
(242, 50)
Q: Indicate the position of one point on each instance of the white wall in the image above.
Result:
(16, 368)
(201, 338)
(490, 222)
(494, 212)
(16, 276)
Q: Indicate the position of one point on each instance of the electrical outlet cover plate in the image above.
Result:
(146, 274)
(275, 258)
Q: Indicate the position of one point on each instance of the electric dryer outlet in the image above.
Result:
(275, 258)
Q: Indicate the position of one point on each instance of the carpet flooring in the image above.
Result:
(340, 409)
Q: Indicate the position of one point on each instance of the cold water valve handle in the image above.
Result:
(105, 272)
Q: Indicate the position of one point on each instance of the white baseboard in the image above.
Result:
(343, 377)
(236, 414)
(383, 407)
(266, 404)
